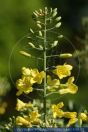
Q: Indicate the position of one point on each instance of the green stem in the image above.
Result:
(45, 71)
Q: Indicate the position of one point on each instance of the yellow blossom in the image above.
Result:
(83, 116)
(63, 70)
(24, 85)
(71, 87)
(70, 114)
(72, 121)
(34, 117)
(52, 85)
(22, 121)
(73, 117)
(56, 109)
(39, 77)
(34, 74)
(21, 105)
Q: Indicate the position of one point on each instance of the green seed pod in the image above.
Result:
(58, 25)
(58, 19)
(40, 33)
(31, 30)
(31, 44)
(25, 53)
(39, 26)
(66, 55)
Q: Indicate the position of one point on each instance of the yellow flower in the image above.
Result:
(39, 77)
(73, 117)
(72, 121)
(34, 117)
(83, 117)
(24, 85)
(56, 109)
(22, 121)
(26, 71)
(35, 76)
(71, 87)
(21, 105)
(52, 85)
(63, 71)
(70, 114)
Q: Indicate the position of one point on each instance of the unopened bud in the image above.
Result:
(25, 53)
(39, 26)
(31, 44)
(40, 33)
(65, 55)
(58, 25)
(58, 19)
(31, 30)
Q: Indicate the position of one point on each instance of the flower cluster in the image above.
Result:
(29, 77)
(72, 116)
(62, 71)
(32, 117)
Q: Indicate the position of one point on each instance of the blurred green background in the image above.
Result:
(15, 20)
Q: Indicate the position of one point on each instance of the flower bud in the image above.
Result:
(58, 25)
(58, 18)
(40, 33)
(25, 53)
(31, 44)
(65, 55)
(35, 14)
(54, 14)
(39, 26)
(31, 30)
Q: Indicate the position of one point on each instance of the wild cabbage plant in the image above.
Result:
(50, 80)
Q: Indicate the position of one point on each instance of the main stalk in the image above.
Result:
(45, 67)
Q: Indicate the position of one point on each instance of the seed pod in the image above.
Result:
(25, 53)
(31, 30)
(66, 55)
(39, 26)
(58, 19)
(31, 44)
(58, 25)
(40, 33)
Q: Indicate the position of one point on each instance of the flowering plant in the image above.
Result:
(41, 112)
